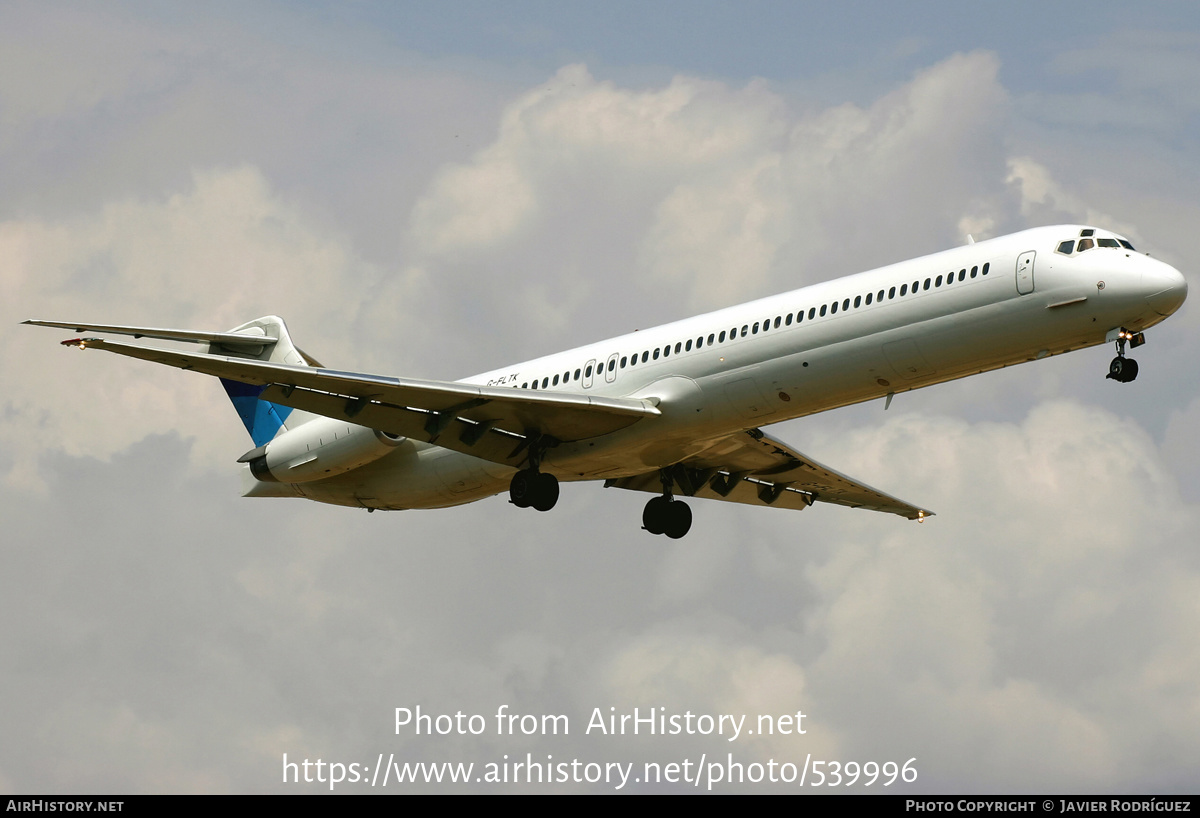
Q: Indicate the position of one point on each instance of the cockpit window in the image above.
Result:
(1090, 241)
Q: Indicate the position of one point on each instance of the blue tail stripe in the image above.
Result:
(262, 419)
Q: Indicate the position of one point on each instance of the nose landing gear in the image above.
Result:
(1122, 369)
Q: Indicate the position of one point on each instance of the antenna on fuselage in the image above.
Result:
(970, 239)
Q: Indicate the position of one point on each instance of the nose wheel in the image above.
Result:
(1122, 369)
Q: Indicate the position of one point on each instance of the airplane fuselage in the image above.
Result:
(960, 312)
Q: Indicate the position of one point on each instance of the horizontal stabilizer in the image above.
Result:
(253, 338)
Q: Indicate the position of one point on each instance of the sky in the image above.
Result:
(436, 190)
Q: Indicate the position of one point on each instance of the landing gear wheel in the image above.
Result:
(522, 488)
(545, 493)
(1122, 369)
(667, 516)
(654, 516)
(679, 519)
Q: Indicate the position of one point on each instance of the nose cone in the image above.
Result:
(1165, 288)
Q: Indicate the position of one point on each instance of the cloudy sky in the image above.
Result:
(435, 190)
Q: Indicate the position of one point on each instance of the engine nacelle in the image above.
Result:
(320, 448)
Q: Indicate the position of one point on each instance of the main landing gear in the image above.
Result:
(1122, 369)
(665, 514)
(530, 487)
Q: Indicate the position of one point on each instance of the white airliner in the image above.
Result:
(674, 410)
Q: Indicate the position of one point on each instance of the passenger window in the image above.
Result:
(903, 290)
(525, 385)
(869, 297)
(745, 329)
(612, 364)
(892, 293)
(545, 382)
(833, 308)
(656, 353)
(962, 274)
(666, 350)
(588, 373)
(927, 284)
(823, 308)
(646, 355)
(813, 311)
(974, 270)
(721, 337)
(755, 330)
(556, 380)
(985, 267)
(938, 284)
(623, 359)
(676, 347)
(576, 374)
(857, 301)
(846, 305)
(710, 340)
(688, 346)
(880, 296)
(778, 319)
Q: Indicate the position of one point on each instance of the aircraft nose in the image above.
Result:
(1165, 288)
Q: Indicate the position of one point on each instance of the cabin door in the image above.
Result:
(1025, 272)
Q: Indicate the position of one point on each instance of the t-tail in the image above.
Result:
(263, 339)
(263, 419)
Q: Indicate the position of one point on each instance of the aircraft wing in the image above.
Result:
(756, 469)
(494, 423)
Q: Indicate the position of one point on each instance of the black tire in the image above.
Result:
(1131, 370)
(1116, 369)
(679, 519)
(522, 488)
(654, 516)
(545, 492)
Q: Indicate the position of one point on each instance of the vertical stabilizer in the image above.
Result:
(264, 419)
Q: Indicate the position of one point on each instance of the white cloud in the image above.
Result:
(212, 257)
